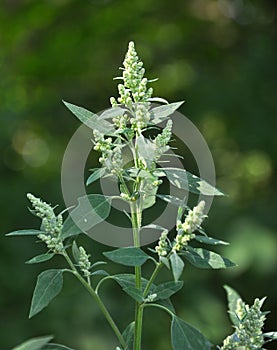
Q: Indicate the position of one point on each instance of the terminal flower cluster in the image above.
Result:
(84, 262)
(248, 332)
(51, 224)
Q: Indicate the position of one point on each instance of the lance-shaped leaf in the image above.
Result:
(270, 335)
(161, 113)
(128, 335)
(129, 256)
(165, 290)
(40, 258)
(209, 240)
(91, 210)
(232, 297)
(52, 346)
(183, 179)
(184, 336)
(25, 233)
(173, 200)
(49, 284)
(34, 344)
(97, 173)
(206, 259)
(177, 265)
(113, 112)
(146, 150)
(90, 119)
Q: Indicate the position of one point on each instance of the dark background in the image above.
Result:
(220, 57)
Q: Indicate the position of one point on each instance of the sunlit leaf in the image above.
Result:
(40, 258)
(49, 284)
(232, 297)
(161, 113)
(177, 265)
(112, 112)
(97, 174)
(34, 344)
(90, 119)
(209, 240)
(91, 210)
(25, 233)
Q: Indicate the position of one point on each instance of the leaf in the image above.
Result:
(173, 200)
(128, 335)
(90, 119)
(232, 297)
(34, 344)
(184, 336)
(52, 346)
(112, 112)
(149, 198)
(177, 266)
(40, 258)
(75, 252)
(165, 261)
(206, 259)
(90, 211)
(100, 272)
(156, 99)
(129, 256)
(49, 284)
(25, 233)
(183, 179)
(209, 240)
(166, 303)
(126, 280)
(95, 176)
(146, 150)
(135, 293)
(165, 290)
(158, 114)
(271, 335)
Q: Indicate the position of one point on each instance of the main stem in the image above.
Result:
(136, 224)
(98, 301)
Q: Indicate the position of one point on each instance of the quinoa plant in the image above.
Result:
(132, 124)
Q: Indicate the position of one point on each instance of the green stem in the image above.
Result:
(136, 224)
(152, 278)
(98, 301)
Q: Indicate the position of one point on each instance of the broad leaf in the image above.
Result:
(34, 344)
(135, 293)
(90, 119)
(146, 150)
(189, 182)
(126, 280)
(209, 240)
(165, 290)
(25, 233)
(49, 284)
(128, 335)
(172, 200)
(129, 256)
(177, 266)
(91, 210)
(40, 258)
(97, 173)
(186, 337)
(206, 259)
(232, 297)
(52, 346)
(149, 198)
(161, 113)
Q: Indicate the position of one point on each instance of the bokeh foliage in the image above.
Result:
(218, 55)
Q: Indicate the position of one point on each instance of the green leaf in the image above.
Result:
(158, 114)
(25, 233)
(232, 297)
(113, 112)
(126, 280)
(184, 336)
(100, 272)
(209, 240)
(90, 211)
(189, 182)
(149, 198)
(40, 258)
(128, 335)
(206, 259)
(90, 119)
(34, 344)
(52, 346)
(135, 293)
(177, 266)
(271, 335)
(97, 173)
(146, 150)
(165, 290)
(173, 200)
(49, 284)
(75, 252)
(129, 256)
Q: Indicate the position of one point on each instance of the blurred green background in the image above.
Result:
(220, 56)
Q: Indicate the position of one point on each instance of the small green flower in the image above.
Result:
(162, 247)
(84, 262)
